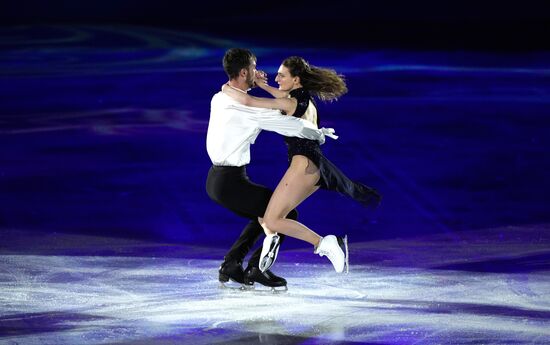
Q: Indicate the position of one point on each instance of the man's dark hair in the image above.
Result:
(236, 59)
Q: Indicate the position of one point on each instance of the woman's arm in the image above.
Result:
(261, 82)
(287, 105)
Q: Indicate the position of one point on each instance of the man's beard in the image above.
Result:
(250, 82)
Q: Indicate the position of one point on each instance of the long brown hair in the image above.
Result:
(324, 83)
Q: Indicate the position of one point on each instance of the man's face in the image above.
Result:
(251, 73)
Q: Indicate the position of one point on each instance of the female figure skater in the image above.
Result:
(308, 170)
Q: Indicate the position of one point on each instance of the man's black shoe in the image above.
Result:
(231, 270)
(254, 275)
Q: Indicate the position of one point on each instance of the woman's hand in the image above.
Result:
(260, 79)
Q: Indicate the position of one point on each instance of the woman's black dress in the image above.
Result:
(331, 177)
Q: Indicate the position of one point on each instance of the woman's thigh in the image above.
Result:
(297, 184)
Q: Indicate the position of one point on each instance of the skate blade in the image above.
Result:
(266, 264)
(346, 263)
(268, 260)
(252, 289)
(270, 290)
(233, 286)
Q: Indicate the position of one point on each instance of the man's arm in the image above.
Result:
(272, 120)
(291, 127)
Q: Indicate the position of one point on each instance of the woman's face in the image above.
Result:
(285, 80)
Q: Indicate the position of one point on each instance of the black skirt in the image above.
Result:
(331, 177)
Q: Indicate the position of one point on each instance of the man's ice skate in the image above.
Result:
(274, 283)
(270, 249)
(336, 250)
(231, 270)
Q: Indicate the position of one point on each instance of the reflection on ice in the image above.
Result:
(52, 299)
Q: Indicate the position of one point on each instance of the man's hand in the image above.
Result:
(329, 132)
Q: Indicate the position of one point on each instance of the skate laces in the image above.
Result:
(325, 250)
(320, 251)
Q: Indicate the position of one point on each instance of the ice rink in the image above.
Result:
(107, 235)
(69, 289)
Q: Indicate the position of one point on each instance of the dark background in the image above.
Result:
(479, 25)
(104, 109)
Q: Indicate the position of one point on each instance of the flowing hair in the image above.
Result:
(324, 83)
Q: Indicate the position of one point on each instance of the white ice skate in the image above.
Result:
(270, 249)
(336, 250)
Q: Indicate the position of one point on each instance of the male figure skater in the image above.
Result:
(232, 128)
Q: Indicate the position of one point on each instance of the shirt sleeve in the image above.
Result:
(272, 120)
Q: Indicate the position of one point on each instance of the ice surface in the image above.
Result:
(89, 299)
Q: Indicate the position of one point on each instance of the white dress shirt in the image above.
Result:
(233, 127)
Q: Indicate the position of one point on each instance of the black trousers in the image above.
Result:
(231, 188)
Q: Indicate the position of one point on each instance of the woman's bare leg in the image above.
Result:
(266, 230)
(297, 184)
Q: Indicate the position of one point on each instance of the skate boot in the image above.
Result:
(231, 270)
(254, 275)
(270, 249)
(336, 249)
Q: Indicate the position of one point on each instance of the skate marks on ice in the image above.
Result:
(56, 299)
